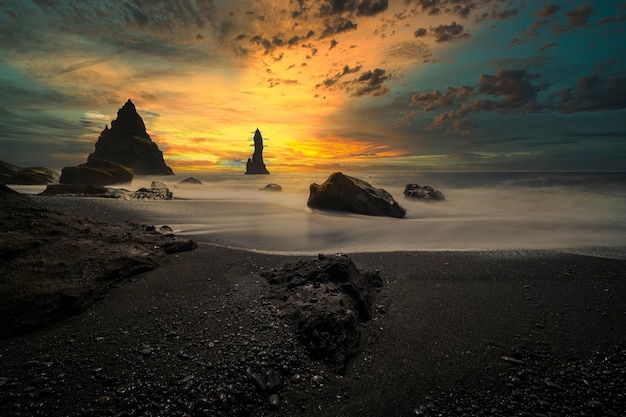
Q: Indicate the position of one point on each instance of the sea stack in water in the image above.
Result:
(343, 193)
(255, 165)
(127, 143)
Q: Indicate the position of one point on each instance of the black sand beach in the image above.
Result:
(515, 333)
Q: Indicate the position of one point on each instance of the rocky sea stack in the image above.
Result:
(127, 143)
(255, 165)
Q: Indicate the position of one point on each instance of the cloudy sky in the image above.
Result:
(372, 84)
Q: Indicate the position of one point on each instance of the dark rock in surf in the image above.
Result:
(90, 190)
(33, 176)
(191, 180)
(255, 165)
(423, 192)
(271, 187)
(329, 327)
(127, 143)
(344, 193)
(97, 172)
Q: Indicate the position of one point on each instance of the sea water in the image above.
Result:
(578, 212)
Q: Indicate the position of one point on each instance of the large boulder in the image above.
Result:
(97, 172)
(329, 327)
(127, 143)
(423, 192)
(33, 176)
(344, 193)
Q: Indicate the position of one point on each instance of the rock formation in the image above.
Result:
(271, 187)
(90, 190)
(97, 172)
(12, 174)
(191, 180)
(423, 192)
(127, 143)
(255, 165)
(329, 327)
(343, 193)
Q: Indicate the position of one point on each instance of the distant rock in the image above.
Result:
(97, 172)
(90, 190)
(190, 180)
(154, 193)
(271, 187)
(423, 192)
(158, 184)
(127, 143)
(7, 171)
(255, 165)
(33, 176)
(343, 193)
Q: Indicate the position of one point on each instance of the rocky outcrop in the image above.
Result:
(344, 193)
(97, 172)
(191, 180)
(271, 187)
(33, 176)
(255, 165)
(90, 190)
(12, 174)
(127, 143)
(423, 192)
(329, 327)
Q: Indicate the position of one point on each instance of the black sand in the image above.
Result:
(533, 333)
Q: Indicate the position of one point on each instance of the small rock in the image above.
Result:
(274, 400)
(105, 400)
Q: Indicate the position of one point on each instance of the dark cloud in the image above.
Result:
(371, 83)
(548, 46)
(504, 14)
(592, 93)
(367, 83)
(337, 25)
(579, 16)
(513, 92)
(357, 7)
(449, 33)
(420, 32)
(547, 11)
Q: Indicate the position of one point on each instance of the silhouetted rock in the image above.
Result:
(7, 171)
(327, 326)
(33, 176)
(10, 198)
(191, 180)
(255, 165)
(97, 172)
(127, 143)
(154, 193)
(271, 187)
(90, 190)
(343, 193)
(423, 192)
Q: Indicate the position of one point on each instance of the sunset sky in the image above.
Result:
(331, 84)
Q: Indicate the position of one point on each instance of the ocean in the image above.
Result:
(575, 212)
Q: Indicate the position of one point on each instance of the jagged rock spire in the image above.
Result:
(255, 165)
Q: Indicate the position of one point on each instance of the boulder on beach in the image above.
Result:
(423, 192)
(271, 187)
(344, 193)
(191, 180)
(329, 327)
(127, 143)
(97, 172)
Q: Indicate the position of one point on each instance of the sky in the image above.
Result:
(447, 85)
